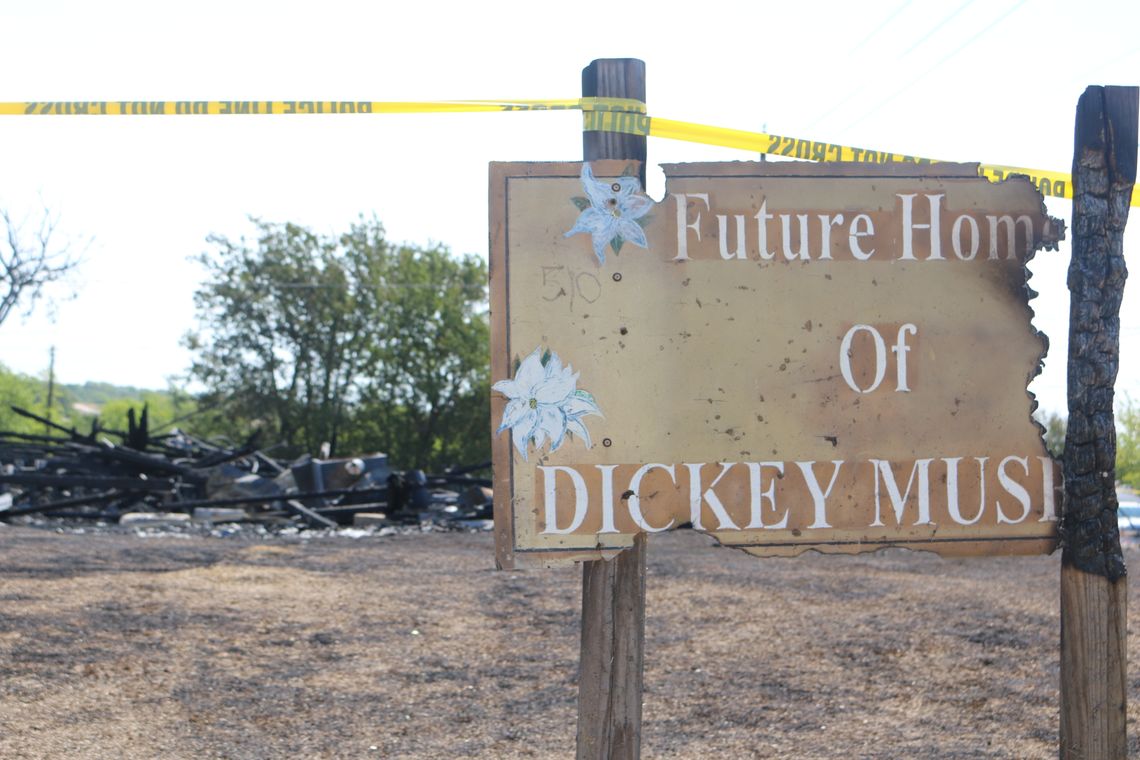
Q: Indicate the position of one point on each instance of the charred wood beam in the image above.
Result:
(223, 456)
(439, 480)
(275, 498)
(74, 501)
(42, 480)
(351, 508)
(32, 437)
(48, 423)
(308, 515)
(271, 464)
(144, 461)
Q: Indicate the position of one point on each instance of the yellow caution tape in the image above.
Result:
(599, 114)
(1049, 183)
(277, 107)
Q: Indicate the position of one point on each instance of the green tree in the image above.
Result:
(350, 340)
(281, 335)
(29, 393)
(426, 398)
(1055, 426)
(163, 408)
(1128, 442)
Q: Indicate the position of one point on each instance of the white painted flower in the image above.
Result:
(544, 403)
(610, 212)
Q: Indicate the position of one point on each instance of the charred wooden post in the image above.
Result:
(1093, 575)
(611, 662)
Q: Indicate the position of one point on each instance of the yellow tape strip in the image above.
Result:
(276, 107)
(1049, 183)
(599, 114)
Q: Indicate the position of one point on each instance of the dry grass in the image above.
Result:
(116, 646)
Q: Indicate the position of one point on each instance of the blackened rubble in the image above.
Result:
(135, 478)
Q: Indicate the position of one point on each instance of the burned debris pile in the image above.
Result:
(134, 477)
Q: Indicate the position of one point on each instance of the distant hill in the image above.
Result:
(76, 404)
(97, 394)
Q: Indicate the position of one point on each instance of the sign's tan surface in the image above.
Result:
(786, 356)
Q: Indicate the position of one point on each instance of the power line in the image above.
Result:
(890, 17)
(851, 93)
(930, 33)
(978, 35)
(938, 26)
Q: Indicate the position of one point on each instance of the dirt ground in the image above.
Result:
(122, 646)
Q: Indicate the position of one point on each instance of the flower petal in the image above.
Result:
(551, 422)
(530, 373)
(587, 221)
(591, 220)
(521, 435)
(635, 206)
(508, 388)
(515, 415)
(538, 435)
(598, 192)
(576, 426)
(601, 240)
(628, 185)
(632, 232)
(555, 390)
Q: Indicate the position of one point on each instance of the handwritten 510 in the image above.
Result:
(562, 282)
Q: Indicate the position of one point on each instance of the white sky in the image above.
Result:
(993, 81)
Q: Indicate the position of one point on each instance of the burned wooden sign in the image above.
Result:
(786, 356)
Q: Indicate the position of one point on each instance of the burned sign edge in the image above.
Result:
(509, 556)
(1047, 243)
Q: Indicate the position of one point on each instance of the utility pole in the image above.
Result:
(51, 389)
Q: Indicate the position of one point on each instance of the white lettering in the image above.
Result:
(762, 218)
(1047, 487)
(861, 226)
(786, 227)
(956, 238)
(607, 471)
(826, 222)
(550, 494)
(1014, 489)
(900, 350)
(884, 474)
(845, 358)
(635, 497)
(818, 496)
(756, 472)
(1010, 227)
(722, 227)
(683, 226)
(952, 489)
(714, 502)
(909, 226)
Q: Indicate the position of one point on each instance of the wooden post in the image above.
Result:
(1093, 577)
(613, 592)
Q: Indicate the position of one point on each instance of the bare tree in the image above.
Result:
(28, 264)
